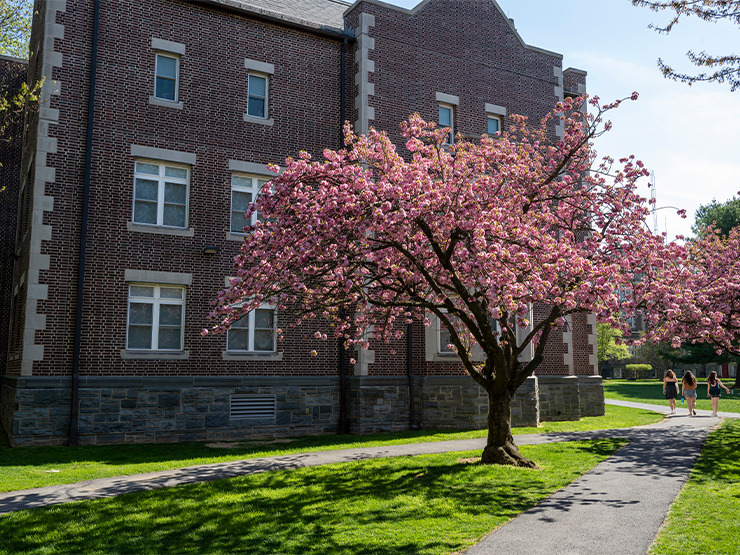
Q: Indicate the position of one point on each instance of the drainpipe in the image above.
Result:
(410, 370)
(343, 395)
(75, 413)
(342, 92)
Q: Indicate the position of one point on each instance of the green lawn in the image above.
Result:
(430, 504)
(705, 518)
(29, 467)
(651, 391)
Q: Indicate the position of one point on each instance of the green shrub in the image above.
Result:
(637, 371)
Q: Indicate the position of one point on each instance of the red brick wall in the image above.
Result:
(304, 103)
(461, 48)
(12, 75)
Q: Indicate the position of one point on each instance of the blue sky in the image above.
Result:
(689, 136)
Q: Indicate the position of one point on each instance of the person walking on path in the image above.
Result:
(713, 385)
(670, 389)
(689, 384)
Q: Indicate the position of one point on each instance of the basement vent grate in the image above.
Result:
(253, 406)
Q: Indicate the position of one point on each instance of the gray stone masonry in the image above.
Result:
(36, 410)
(591, 395)
(458, 402)
(379, 404)
(559, 399)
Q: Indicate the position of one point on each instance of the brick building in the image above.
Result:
(157, 121)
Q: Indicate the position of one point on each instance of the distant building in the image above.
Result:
(150, 179)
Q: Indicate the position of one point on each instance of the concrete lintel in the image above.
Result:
(168, 46)
(494, 109)
(147, 276)
(163, 154)
(250, 167)
(448, 98)
(259, 67)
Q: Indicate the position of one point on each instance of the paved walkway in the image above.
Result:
(615, 508)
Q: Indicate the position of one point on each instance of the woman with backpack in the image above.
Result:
(713, 386)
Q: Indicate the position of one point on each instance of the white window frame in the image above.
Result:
(156, 300)
(450, 140)
(177, 75)
(494, 117)
(161, 179)
(266, 98)
(254, 190)
(441, 350)
(250, 341)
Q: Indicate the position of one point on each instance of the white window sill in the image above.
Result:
(155, 355)
(161, 230)
(231, 236)
(452, 357)
(165, 103)
(251, 356)
(260, 121)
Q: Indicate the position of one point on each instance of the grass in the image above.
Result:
(425, 505)
(651, 391)
(30, 467)
(705, 518)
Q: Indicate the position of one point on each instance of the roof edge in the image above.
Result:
(422, 5)
(13, 59)
(278, 18)
(576, 70)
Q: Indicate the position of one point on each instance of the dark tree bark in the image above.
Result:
(501, 448)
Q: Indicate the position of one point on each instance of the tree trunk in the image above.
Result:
(501, 448)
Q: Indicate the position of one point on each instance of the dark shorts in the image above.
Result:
(715, 396)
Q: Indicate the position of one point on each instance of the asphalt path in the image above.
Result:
(617, 507)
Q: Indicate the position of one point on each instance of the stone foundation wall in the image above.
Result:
(155, 410)
(36, 410)
(458, 402)
(559, 399)
(379, 404)
(591, 394)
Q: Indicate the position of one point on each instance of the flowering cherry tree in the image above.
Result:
(705, 307)
(475, 234)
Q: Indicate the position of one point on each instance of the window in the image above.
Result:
(244, 189)
(253, 332)
(257, 96)
(161, 194)
(446, 120)
(494, 125)
(166, 77)
(155, 317)
(445, 338)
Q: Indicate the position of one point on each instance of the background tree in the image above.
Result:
(474, 234)
(724, 215)
(653, 354)
(607, 348)
(15, 27)
(707, 311)
(726, 67)
(15, 95)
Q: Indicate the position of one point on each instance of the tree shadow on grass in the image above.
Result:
(148, 453)
(404, 505)
(720, 458)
